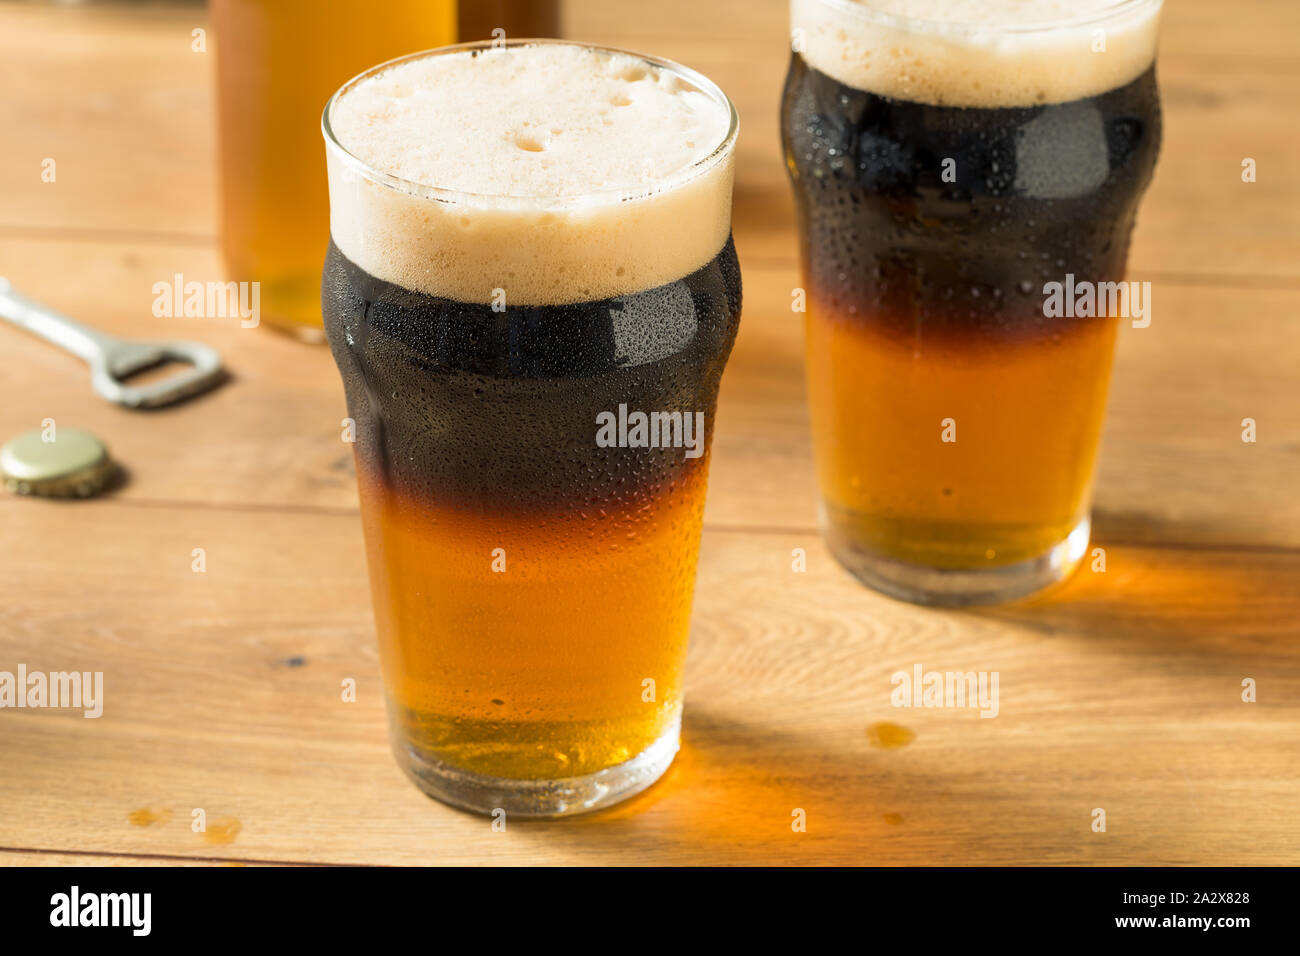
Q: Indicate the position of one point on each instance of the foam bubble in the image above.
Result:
(576, 173)
(978, 52)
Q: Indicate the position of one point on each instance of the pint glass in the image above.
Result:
(531, 292)
(949, 174)
(278, 61)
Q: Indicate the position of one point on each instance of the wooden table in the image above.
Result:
(1121, 691)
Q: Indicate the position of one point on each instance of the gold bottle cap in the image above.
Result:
(74, 465)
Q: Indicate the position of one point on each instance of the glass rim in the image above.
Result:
(622, 194)
(865, 12)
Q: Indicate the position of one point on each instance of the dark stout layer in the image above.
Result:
(476, 438)
(1039, 191)
(493, 412)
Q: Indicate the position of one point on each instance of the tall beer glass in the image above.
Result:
(951, 163)
(278, 61)
(531, 292)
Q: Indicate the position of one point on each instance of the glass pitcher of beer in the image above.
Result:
(278, 62)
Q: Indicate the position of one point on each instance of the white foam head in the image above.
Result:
(989, 53)
(553, 171)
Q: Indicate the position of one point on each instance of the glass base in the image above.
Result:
(958, 588)
(538, 798)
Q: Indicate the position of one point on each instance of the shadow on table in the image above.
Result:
(1147, 527)
(730, 796)
(1189, 602)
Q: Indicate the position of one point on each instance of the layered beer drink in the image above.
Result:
(531, 292)
(950, 161)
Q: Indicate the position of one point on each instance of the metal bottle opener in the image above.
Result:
(111, 359)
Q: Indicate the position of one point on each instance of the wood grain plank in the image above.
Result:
(67, 858)
(1251, 30)
(1119, 691)
(1173, 466)
(114, 95)
(124, 107)
(1225, 83)
(1198, 220)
